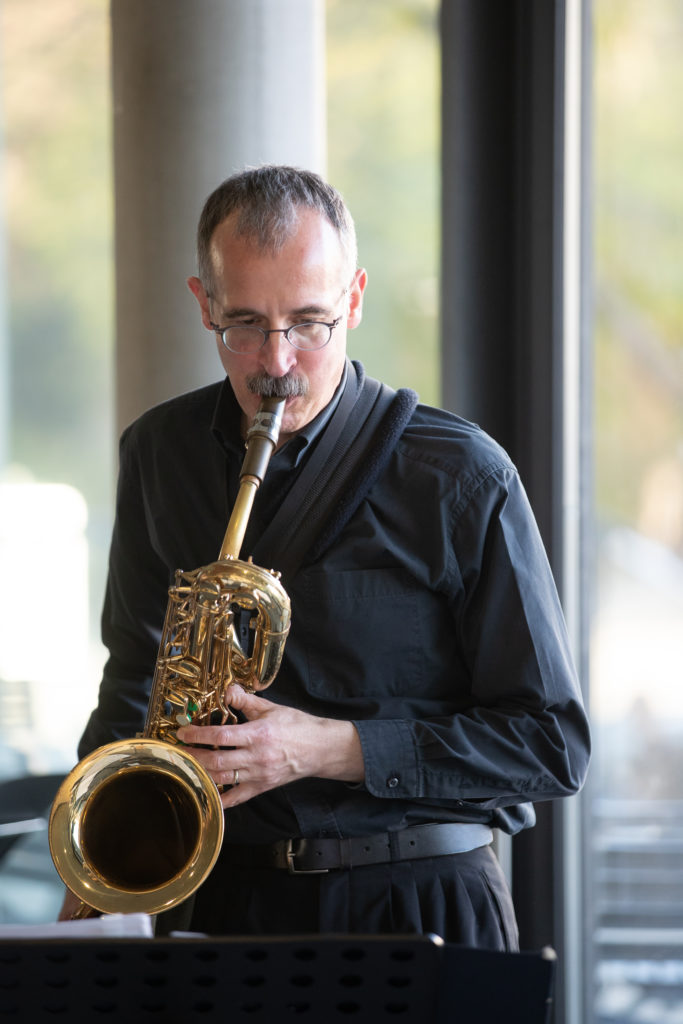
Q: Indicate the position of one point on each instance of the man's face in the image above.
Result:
(304, 280)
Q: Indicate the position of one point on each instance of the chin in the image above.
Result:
(291, 422)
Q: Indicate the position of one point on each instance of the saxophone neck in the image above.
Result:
(262, 438)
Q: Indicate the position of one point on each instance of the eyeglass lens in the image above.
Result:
(302, 336)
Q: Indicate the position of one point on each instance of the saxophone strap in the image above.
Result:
(347, 459)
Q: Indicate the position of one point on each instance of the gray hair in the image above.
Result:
(266, 199)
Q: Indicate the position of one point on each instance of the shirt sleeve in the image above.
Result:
(522, 734)
(134, 607)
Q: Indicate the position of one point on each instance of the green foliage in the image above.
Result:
(638, 213)
(383, 144)
(59, 238)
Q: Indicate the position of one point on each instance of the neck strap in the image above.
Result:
(347, 459)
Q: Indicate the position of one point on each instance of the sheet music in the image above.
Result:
(109, 926)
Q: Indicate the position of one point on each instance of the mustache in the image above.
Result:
(292, 385)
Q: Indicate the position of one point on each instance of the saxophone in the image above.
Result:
(138, 824)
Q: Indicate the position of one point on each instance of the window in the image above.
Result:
(636, 795)
(56, 432)
(383, 155)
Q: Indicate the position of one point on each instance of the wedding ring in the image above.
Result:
(236, 780)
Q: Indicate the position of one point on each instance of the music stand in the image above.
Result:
(318, 979)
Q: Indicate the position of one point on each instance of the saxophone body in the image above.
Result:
(138, 824)
(200, 654)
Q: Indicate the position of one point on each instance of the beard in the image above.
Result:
(292, 385)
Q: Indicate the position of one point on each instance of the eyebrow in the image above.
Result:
(312, 311)
(239, 312)
(236, 312)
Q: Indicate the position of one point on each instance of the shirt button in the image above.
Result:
(392, 783)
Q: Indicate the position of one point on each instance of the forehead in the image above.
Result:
(311, 254)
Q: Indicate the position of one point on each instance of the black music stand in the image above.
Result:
(313, 980)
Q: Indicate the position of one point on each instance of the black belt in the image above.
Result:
(317, 856)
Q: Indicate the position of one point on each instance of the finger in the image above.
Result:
(230, 779)
(209, 735)
(236, 795)
(248, 703)
(221, 764)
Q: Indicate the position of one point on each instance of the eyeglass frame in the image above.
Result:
(222, 331)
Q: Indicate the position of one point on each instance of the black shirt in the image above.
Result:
(432, 622)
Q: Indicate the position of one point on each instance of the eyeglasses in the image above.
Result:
(307, 337)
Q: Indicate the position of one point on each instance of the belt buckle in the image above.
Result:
(291, 853)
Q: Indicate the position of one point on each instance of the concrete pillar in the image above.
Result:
(201, 88)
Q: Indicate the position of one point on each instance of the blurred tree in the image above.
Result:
(57, 175)
(383, 145)
(638, 216)
(60, 261)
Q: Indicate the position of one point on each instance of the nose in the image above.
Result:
(277, 356)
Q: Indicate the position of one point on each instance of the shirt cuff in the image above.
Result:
(390, 757)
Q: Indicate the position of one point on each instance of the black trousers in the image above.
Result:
(463, 898)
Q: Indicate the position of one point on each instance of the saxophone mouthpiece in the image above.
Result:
(262, 437)
(268, 420)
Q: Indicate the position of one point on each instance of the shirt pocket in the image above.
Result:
(363, 633)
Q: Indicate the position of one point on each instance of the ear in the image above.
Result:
(197, 289)
(356, 290)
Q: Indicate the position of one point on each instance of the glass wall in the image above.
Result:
(57, 437)
(383, 78)
(56, 440)
(636, 794)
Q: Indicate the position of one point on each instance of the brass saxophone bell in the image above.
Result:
(137, 826)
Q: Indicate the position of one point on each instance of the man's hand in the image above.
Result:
(275, 745)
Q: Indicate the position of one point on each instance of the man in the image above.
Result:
(426, 692)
